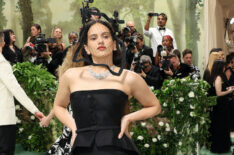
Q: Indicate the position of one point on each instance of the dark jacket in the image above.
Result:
(12, 57)
(144, 51)
(153, 77)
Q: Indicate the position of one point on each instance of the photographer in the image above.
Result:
(28, 49)
(156, 33)
(149, 72)
(131, 25)
(136, 46)
(187, 58)
(56, 50)
(177, 69)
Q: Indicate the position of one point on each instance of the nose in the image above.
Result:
(100, 40)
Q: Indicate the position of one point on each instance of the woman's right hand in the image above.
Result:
(74, 134)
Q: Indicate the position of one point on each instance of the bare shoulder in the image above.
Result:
(132, 77)
(72, 72)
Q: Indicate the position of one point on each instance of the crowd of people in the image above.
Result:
(101, 79)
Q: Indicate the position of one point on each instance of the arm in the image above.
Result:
(218, 87)
(46, 120)
(147, 24)
(61, 102)
(145, 96)
(8, 78)
(146, 27)
(26, 44)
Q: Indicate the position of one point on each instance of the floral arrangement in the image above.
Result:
(41, 87)
(183, 123)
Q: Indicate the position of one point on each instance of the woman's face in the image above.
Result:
(99, 41)
(12, 36)
(58, 33)
(34, 31)
(166, 42)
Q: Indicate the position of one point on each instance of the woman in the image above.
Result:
(31, 54)
(215, 54)
(167, 45)
(98, 98)
(56, 50)
(220, 116)
(10, 51)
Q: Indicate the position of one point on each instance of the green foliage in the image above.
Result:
(3, 20)
(183, 122)
(41, 87)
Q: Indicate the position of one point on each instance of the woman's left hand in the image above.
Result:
(124, 126)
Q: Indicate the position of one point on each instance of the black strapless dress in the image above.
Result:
(98, 114)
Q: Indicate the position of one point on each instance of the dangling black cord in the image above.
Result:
(119, 44)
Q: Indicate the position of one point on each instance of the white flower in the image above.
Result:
(151, 87)
(181, 99)
(32, 117)
(202, 120)
(165, 145)
(172, 82)
(177, 112)
(143, 124)
(131, 133)
(140, 137)
(29, 137)
(164, 104)
(21, 130)
(17, 107)
(18, 120)
(192, 114)
(183, 80)
(154, 140)
(180, 143)
(160, 123)
(175, 131)
(159, 137)
(191, 94)
(167, 129)
(40, 124)
(167, 125)
(192, 107)
(147, 145)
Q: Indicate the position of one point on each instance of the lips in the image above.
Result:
(101, 48)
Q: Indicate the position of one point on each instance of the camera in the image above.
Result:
(138, 65)
(126, 30)
(164, 56)
(132, 42)
(153, 14)
(40, 42)
(88, 1)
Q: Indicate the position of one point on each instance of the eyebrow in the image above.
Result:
(94, 34)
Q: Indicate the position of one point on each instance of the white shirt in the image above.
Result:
(156, 35)
(10, 87)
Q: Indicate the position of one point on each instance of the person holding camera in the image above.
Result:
(187, 58)
(28, 48)
(10, 51)
(56, 50)
(156, 33)
(137, 47)
(149, 72)
(132, 27)
(167, 46)
(177, 69)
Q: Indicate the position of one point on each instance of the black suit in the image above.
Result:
(153, 77)
(182, 71)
